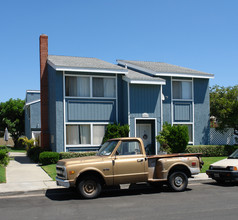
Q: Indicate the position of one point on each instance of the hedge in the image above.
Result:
(4, 158)
(3, 147)
(48, 157)
(34, 153)
(212, 150)
(67, 155)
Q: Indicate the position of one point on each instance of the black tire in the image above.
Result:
(89, 187)
(178, 181)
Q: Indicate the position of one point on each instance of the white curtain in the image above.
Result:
(186, 90)
(72, 134)
(109, 87)
(98, 134)
(84, 134)
(83, 86)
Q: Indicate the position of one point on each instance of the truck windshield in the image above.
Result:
(234, 155)
(107, 148)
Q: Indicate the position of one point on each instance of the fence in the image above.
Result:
(225, 138)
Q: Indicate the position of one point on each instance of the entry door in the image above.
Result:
(144, 132)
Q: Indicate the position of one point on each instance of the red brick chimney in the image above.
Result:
(45, 140)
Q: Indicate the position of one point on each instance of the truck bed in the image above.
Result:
(174, 155)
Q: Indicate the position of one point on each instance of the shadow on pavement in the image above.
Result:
(226, 184)
(134, 189)
(23, 160)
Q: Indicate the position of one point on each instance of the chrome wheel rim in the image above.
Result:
(89, 187)
(178, 181)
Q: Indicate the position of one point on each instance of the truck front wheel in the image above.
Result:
(89, 187)
(178, 181)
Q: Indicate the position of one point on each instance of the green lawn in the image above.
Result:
(2, 174)
(209, 160)
(50, 170)
(17, 150)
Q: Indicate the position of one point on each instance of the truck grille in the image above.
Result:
(61, 172)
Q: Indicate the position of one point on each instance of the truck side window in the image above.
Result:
(129, 148)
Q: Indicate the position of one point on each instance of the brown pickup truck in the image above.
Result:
(124, 160)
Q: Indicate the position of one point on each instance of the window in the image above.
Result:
(80, 86)
(104, 87)
(129, 148)
(182, 90)
(77, 86)
(82, 135)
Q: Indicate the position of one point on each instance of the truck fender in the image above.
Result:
(180, 166)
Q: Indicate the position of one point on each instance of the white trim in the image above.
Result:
(161, 109)
(194, 75)
(33, 102)
(193, 110)
(184, 123)
(32, 91)
(129, 109)
(116, 100)
(181, 80)
(64, 111)
(91, 70)
(87, 123)
(172, 107)
(149, 119)
(149, 82)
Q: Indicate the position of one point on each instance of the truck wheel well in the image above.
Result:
(180, 168)
(90, 173)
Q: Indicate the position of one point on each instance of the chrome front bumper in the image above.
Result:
(61, 182)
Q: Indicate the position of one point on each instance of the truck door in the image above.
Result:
(129, 163)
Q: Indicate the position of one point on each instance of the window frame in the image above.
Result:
(182, 80)
(91, 86)
(91, 133)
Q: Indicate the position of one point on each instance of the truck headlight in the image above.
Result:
(232, 168)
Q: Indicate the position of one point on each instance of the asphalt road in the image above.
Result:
(201, 201)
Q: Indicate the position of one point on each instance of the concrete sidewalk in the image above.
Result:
(23, 176)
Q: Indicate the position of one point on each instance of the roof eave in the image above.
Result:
(194, 75)
(79, 69)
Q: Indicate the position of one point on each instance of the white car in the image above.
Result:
(225, 170)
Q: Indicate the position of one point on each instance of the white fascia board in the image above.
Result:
(79, 69)
(32, 91)
(186, 75)
(136, 81)
(165, 74)
(31, 103)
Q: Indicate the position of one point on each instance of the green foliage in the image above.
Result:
(212, 150)
(3, 147)
(173, 139)
(50, 170)
(67, 155)
(48, 157)
(116, 131)
(2, 174)
(4, 158)
(34, 152)
(28, 143)
(12, 117)
(224, 106)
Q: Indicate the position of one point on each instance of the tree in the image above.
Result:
(173, 139)
(12, 117)
(224, 107)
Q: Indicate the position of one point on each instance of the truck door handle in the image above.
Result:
(140, 160)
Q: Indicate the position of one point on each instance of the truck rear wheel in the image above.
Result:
(89, 187)
(178, 181)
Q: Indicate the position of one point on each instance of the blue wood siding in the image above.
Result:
(56, 109)
(35, 116)
(166, 89)
(144, 99)
(91, 110)
(201, 111)
(32, 96)
(124, 103)
(182, 112)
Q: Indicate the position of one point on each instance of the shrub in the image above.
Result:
(173, 138)
(28, 143)
(67, 155)
(34, 152)
(212, 150)
(3, 147)
(116, 131)
(48, 157)
(4, 158)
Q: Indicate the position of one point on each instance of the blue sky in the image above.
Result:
(201, 35)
